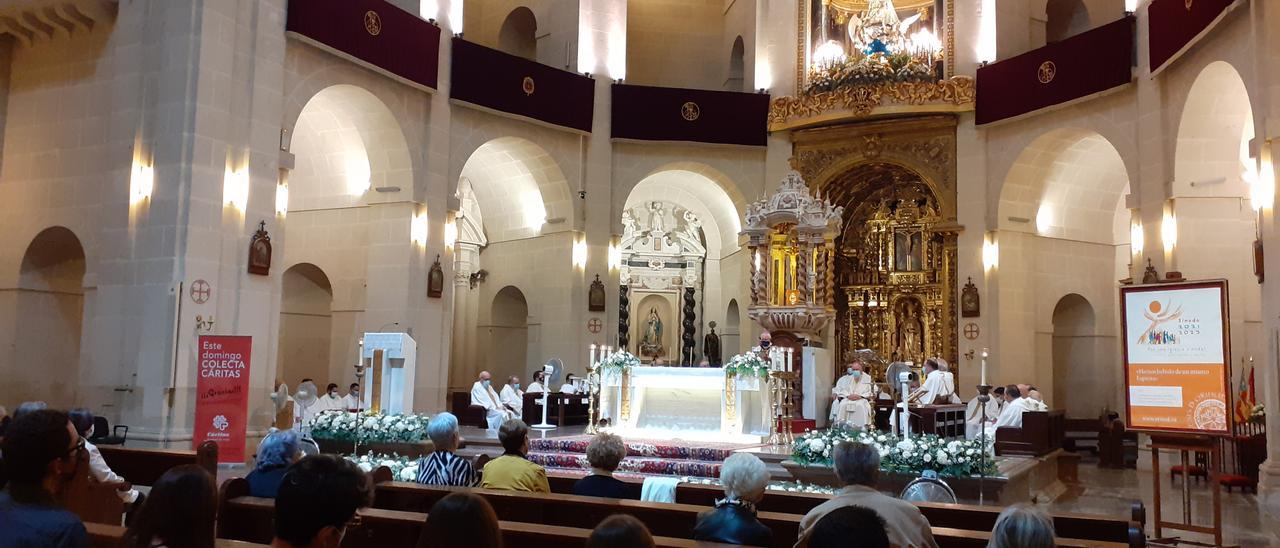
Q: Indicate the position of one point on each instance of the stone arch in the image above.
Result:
(306, 325)
(48, 316)
(737, 60)
(346, 142)
(519, 188)
(1075, 348)
(938, 180)
(1065, 18)
(1068, 183)
(1211, 156)
(518, 34)
(700, 194)
(731, 338)
(725, 184)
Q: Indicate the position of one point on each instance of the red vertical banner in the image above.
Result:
(222, 394)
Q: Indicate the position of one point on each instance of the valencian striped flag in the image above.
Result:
(1246, 399)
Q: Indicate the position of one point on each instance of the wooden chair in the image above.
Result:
(468, 415)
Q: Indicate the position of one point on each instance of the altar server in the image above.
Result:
(352, 400)
(330, 401)
(482, 394)
(938, 387)
(853, 393)
(512, 398)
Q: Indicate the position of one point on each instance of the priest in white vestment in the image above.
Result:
(352, 401)
(569, 386)
(938, 388)
(538, 384)
(852, 398)
(945, 368)
(512, 398)
(976, 418)
(331, 400)
(482, 394)
(1011, 416)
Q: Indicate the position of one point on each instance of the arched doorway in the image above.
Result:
(735, 80)
(1076, 360)
(306, 326)
(50, 310)
(731, 338)
(508, 347)
(1064, 19)
(518, 35)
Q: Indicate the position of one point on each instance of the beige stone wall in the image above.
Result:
(677, 43)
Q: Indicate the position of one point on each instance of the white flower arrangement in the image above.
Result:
(368, 427)
(1258, 414)
(402, 468)
(949, 458)
(746, 364)
(617, 362)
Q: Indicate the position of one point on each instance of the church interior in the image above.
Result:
(676, 221)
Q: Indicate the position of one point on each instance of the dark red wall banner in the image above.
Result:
(371, 32)
(506, 83)
(1085, 64)
(222, 394)
(1176, 24)
(674, 114)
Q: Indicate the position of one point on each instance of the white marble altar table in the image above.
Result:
(686, 403)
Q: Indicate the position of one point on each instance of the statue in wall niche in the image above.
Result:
(711, 345)
(628, 225)
(655, 217)
(651, 340)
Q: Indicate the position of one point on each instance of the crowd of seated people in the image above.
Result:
(318, 496)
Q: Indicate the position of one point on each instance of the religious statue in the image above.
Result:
(655, 217)
(711, 346)
(628, 225)
(651, 340)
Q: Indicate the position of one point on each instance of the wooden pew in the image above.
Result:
(1042, 432)
(91, 500)
(250, 520)
(111, 536)
(672, 520)
(145, 466)
(958, 516)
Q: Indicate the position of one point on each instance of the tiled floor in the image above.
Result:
(1104, 491)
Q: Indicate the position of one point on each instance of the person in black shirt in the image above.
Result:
(605, 453)
(733, 521)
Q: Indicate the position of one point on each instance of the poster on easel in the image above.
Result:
(1177, 357)
(222, 394)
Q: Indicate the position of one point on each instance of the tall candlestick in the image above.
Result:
(592, 360)
(984, 367)
(791, 363)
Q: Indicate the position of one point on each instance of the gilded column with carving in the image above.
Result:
(802, 272)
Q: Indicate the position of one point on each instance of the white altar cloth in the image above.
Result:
(686, 403)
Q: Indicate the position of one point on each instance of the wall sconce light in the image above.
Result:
(615, 256)
(235, 188)
(451, 232)
(418, 229)
(990, 252)
(1263, 192)
(282, 199)
(580, 253)
(1169, 228)
(141, 182)
(1137, 238)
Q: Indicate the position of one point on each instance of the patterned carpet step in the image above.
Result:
(632, 465)
(667, 449)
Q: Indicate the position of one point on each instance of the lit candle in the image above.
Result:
(592, 360)
(984, 367)
(791, 359)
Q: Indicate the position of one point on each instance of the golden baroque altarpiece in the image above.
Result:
(895, 253)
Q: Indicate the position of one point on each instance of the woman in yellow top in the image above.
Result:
(512, 471)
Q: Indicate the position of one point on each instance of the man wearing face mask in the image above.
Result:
(852, 394)
(331, 400)
(482, 394)
(512, 398)
(41, 452)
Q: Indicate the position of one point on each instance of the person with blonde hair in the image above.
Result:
(733, 520)
(1022, 526)
(605, 453)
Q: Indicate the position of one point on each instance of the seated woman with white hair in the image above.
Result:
(733, 521)
(443, 466)
(1022, 526)
(605, 453)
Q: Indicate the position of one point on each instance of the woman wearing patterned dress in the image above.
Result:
(443, 467)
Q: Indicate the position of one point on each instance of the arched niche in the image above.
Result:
(48, 318)
(518, 35)
(508, 347)
(735, 81)
(1064, 19)
(1077, 360)
(306, 326)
